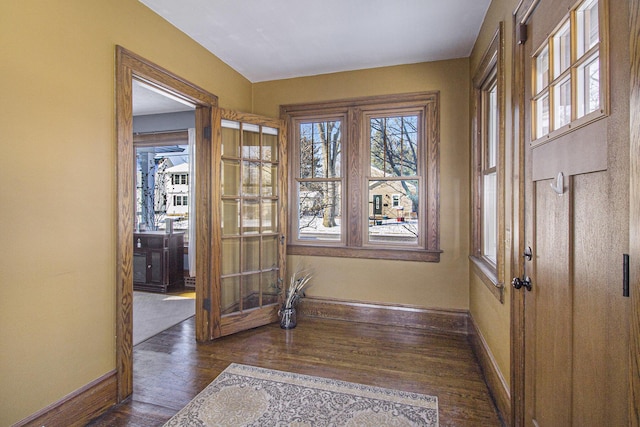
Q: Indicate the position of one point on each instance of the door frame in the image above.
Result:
(130, 66)
(520, 18)
(634, 213)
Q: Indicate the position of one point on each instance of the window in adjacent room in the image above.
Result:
(180, 178)
(180, 200)
(364, 177)
(569, 86)
(488, 168)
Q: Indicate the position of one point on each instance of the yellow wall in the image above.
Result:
(57, 221)
(492, 317)
(432, 285)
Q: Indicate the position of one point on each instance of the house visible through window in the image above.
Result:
(179, 178)
(567, 88)
(180, 200)
(365, 177)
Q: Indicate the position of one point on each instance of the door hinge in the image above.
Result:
(522, 33)
(206, 304)
(207, 132)
(625, 275)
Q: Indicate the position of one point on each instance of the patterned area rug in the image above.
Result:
(249, 396)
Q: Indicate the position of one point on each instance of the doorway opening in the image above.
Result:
(164, 233)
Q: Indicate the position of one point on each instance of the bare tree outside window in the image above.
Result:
(364, 177)
(393, 151)
(320, 180)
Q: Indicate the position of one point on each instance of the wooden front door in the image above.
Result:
(576, 319)
(249, 249)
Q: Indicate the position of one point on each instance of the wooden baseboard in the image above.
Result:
(454, 321)
(79, 407)
(494, 379)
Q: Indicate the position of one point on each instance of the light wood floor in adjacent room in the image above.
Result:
(171, 368)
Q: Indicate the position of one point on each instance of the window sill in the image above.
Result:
(367, 253)
(489, 277)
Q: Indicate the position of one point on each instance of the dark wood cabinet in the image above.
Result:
(158, 261)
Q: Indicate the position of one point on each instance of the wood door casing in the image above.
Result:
(130, 66)
(634, 217)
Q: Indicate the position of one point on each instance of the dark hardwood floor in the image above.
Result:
(171, 368)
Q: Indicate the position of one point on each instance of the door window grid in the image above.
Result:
(249, 208)
(574, 90)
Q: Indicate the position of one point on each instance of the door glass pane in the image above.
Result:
(269, 216)
(269, 180)
(230, 295)
(230, 256)
(319, 210)
(250, 254)
(588, 28)
(250, 141)
(269, 144)
(562, 50)
(270, 289)
(250, 178)
(230, 217)
(589, 86)
(250, 291)
(542, 70)
(230, 178)
(562, 103)
(230, 139)
(251, 217)
(393, 212)
(269, 258)
(542, 116)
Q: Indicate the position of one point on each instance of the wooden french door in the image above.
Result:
(249, 248)
(575, 317)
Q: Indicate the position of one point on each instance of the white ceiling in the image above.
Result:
(150, 100)
(276, 39)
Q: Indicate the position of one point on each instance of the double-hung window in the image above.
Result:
(488, 168)
(364, 177)
(569, 84)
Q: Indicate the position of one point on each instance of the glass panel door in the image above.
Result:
(251, 253)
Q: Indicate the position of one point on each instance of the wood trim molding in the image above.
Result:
(521, 16)
(491, 66)
(79, 407)
(355, 112)
(490, 371)
(161, 138)
(634, 215)
(130, 66)
(488, 276)
(453, 321)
